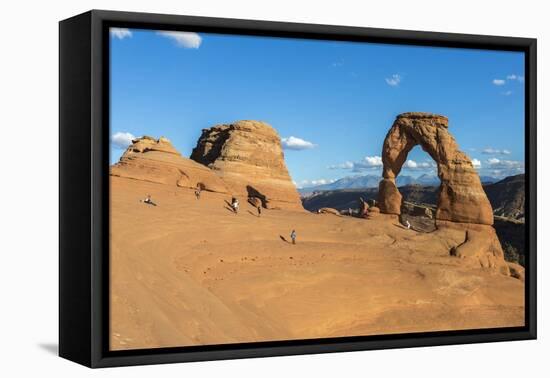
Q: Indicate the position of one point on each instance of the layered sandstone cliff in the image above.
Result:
(152, 160)
(249, 158)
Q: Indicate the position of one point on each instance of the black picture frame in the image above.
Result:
(84, 188)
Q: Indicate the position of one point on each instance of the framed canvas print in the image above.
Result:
(234, 188)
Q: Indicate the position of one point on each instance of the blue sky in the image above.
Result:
(331, 102)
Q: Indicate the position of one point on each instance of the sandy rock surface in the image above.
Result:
(192, 272)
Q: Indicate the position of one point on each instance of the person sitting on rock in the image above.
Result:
(148, 200)
(293, 236)
(407, 224)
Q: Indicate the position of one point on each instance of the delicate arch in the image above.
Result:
(461, 196)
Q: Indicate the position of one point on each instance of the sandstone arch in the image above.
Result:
(461, 197)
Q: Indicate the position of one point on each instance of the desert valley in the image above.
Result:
(187, 268)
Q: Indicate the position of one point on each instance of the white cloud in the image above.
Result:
(344, 165)
(502, 168)
(495, 163)
(309, 183)
(294, 143)
(394, 80)
(188, 40)
(373, 161)
(411, 164)
(368, 162)
(495, 151)
(321, 182)
(120, 33)
(509, 78)
(122, 140)
(476, 163)
(519, 78)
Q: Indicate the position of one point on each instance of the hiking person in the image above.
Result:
(259, 211)
(235, 205)
(407, 224)
(148, 200)
(293, 236)
(198, 192)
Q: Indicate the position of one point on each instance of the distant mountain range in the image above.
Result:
(507, 196)
(371, 181)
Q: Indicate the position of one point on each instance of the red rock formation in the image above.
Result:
(477, 244)
(464, 214)
(461, 197)
(248, 156)
(152, 160)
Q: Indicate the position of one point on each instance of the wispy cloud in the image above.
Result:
(476, 163)
(368, 162)
(122, 140)
(120, 33)
(309, 183)
(519, 78)
(500, 168)
(338, 63)
(495, 151)
(371, 161)
(411, 164)
(394, 80)
(187, 40)
(498, 163)
(375, 162)
(295, 143)
(344, 165)
(509, 78)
